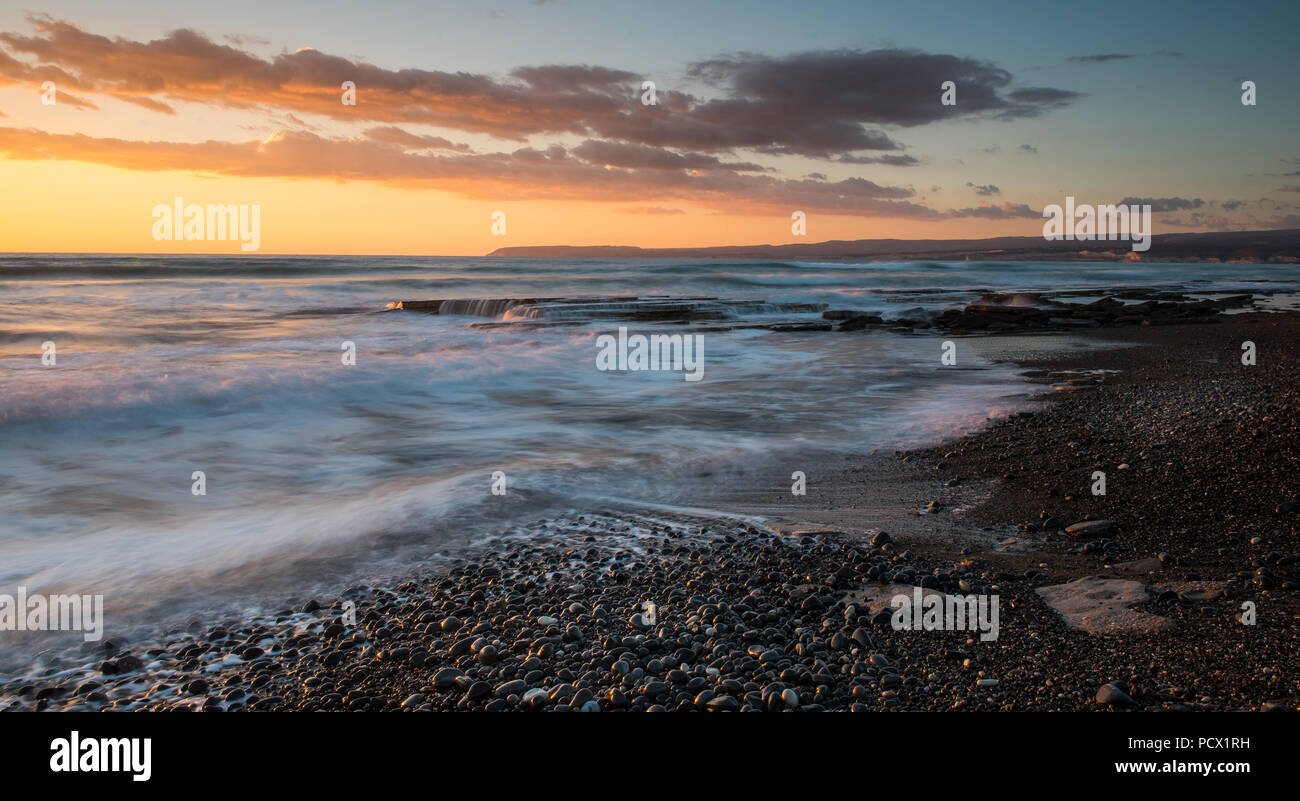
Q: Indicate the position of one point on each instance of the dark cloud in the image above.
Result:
(1042, 98)
(1029, 148)
(824, 104)
(1001, 211)
(889, 159)
(1165, 203)
(891, 87)
(1101, 58)
(1198, 220)
(984, 190)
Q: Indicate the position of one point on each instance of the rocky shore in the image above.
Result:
(1128, 600)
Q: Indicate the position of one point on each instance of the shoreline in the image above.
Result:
(748, 618)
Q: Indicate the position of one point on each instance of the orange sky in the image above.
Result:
(568, 152)
(72, 207)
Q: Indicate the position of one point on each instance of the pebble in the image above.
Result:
(1112, 695)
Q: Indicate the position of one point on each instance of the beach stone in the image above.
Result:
(1090, 528)
(1195, 591)
(790, 698)
(1139, 565)
(123, 664)
(536, 698)
(1102, 606)
(445, 679)
(413, 701)
(1112, 695)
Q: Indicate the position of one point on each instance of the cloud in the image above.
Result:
(1001, 211)
(397, 136)
(1101, 58)
(616, 154)
(1029, 149)
(524, 174)
(984, 190)
(185, 66)
(890, 159)
(652, 210)
(823, 104)
(848, 89)
(1288, 189)
(149, 103)
(1198, 220)
(1042, 98)
(1165, 203)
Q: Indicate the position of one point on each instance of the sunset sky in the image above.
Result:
(534, 109)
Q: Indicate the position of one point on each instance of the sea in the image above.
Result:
(191, 433)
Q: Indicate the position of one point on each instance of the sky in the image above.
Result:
(537, 110)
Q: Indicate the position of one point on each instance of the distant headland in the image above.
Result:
(1222, 246)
